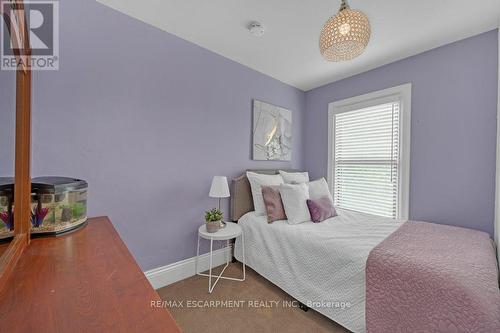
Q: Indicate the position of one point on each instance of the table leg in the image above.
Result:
(243, 253)
(211, 286)
(197, 256)
(210, 267)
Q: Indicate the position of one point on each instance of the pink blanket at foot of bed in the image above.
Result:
(427, 277)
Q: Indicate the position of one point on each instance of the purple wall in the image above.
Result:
(7, 121)
(453, 138)
(147, 119)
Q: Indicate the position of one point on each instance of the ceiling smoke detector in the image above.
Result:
(256, 29)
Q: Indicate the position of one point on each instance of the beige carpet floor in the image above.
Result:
(255, 305)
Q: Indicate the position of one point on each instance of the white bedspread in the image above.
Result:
(322, 262)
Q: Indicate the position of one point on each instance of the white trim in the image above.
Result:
(374, 98)
(497, 187)
(166, 275)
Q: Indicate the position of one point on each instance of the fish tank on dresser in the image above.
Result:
(6, 207)
(58, 205)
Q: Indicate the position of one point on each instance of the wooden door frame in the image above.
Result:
(22, 178)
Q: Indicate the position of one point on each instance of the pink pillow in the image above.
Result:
(321, 209)
(272, 202)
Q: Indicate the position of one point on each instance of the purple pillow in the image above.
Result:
(321, 209)
(272, 202)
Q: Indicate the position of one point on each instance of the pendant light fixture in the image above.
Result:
(345, 35)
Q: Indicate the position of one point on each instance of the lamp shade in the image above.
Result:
(345, 35)
(219, 188)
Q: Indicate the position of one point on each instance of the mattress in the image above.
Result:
(319, 264)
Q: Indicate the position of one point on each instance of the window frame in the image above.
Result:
(401, 93)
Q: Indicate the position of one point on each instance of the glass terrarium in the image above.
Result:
(6, 207)
(58, 204)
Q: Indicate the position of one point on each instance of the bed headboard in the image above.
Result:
(241, 198)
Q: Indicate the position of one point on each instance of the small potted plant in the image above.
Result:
(213, 220)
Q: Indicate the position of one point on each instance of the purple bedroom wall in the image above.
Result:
(453, 136)
(497, 195)
(7, 121)
(147, 119)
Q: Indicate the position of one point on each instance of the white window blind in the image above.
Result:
(367, 159)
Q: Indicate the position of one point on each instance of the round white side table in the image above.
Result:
(231, 231)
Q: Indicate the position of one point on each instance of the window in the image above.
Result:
(369, 152)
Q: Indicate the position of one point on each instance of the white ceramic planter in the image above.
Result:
(213, 226)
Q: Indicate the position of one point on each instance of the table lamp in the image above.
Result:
(219, 189)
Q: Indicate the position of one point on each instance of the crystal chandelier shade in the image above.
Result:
(345, 35)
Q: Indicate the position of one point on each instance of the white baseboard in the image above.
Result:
(165, 275)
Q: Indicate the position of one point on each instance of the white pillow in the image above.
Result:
(319, 189)
(294, 197)
(256, 182)
(295, 177)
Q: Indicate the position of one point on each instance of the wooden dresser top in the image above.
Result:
(85, 281)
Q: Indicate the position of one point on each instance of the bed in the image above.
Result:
(324, 266)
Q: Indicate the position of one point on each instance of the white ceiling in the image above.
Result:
(289, 49)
